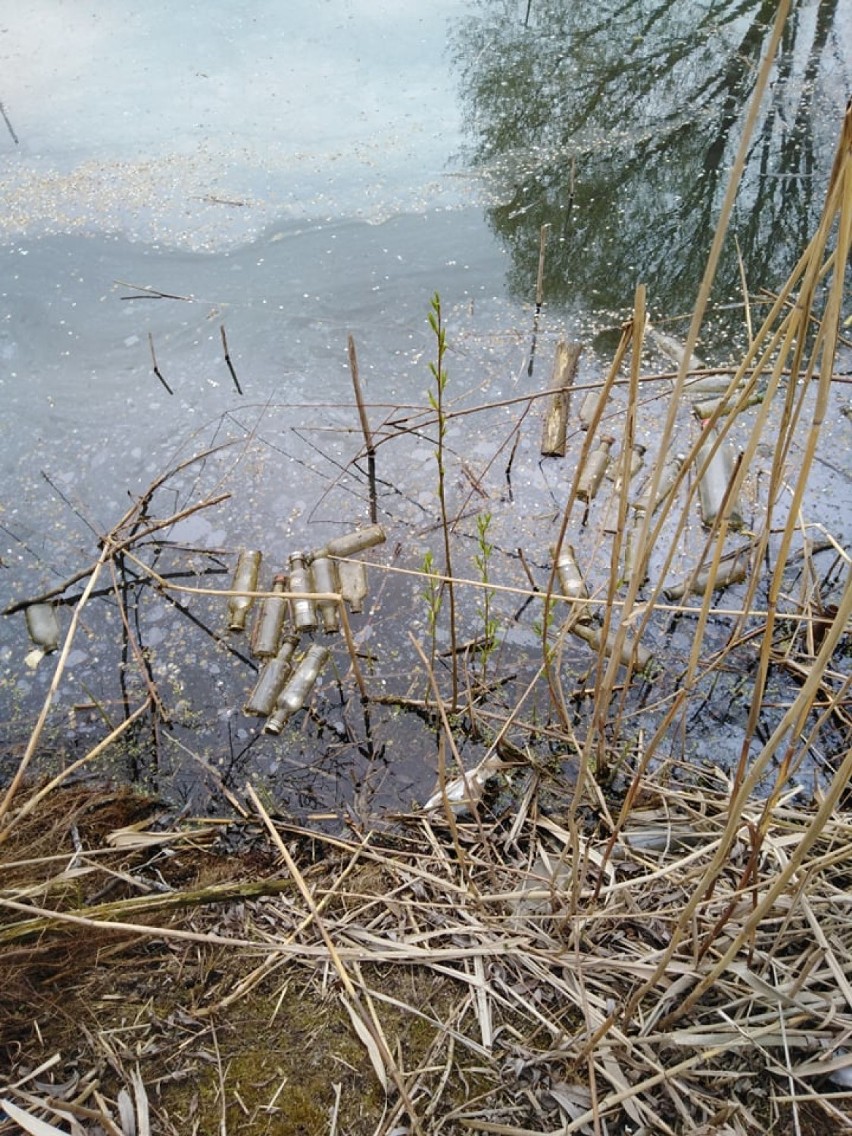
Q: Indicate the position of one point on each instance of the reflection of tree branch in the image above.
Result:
(647, 102)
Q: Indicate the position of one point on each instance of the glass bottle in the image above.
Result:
(358, 541)
(732, 570)
(270, 682)
(667, 479)
(592, 473)
(713, 483)
(304, 609)
(589, 407)
(637, 458)
(245, 580)
(571, 582)
(352, 576)
(631, 547)
(324, 577)
(592, 635)
(43, 626)
(298, 687)
(266, 634)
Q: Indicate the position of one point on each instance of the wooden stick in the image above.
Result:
(365, 429)
(156, 367)
(15, 138)
(228, 360)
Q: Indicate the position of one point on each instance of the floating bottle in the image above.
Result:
(731, 570)
(324, 578)
(270, 682)
(637, 458)
(592, 473)
(589, 407)
(245, 580)
(571, 582)
(43, 626)
(592, 636)
(266, 634)
(292, 698)
(631, 547)
(303, 609)
(667, 479)
(351, 543)
(674, 349)
(714, 482)
(352, 576)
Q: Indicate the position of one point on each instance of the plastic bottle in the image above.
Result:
(245, 580)
(324, 578)
(266, 634)
(298, 687)
(594, 469)
(304, 610)
(270, 682)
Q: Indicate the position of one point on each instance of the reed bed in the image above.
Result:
(519, 977)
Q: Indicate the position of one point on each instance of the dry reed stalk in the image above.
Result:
(596, 739)
(556, 692)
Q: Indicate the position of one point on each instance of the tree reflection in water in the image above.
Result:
(616, 122)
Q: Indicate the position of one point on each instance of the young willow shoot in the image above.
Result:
(436, 401)
(489, 623)
(433, 596)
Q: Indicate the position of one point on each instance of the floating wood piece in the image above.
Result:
(556, 420)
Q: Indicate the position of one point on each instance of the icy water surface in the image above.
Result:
(295, 173)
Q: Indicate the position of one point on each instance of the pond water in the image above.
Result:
(295, 173)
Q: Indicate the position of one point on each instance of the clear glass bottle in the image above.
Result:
(571, 582)
(594, 469)
(324, 578)
(303, 609)
(714, 482)
(298, 688)
(352, 576)
(245, 580)
(637, 458)
(270, 682)
(43, 626)
(266, 633)
(589, 407)
(631, 547)
(732, 570)
(667, 479)
(351, 543)
(592, 635)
